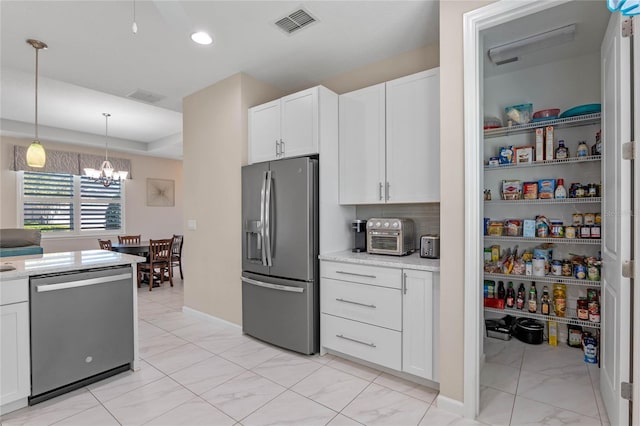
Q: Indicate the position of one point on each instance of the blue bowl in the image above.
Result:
(581, 110)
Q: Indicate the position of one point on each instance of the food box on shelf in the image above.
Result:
(505, 155)
(546, 188)
(511, 189)
(524, 154)
(493, 303)
(530, 190)
(539, 144)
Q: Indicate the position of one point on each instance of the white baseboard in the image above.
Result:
(13, 406)
(451, 405)
(208, 317)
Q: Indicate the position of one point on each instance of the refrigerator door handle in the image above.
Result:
(262, 219)
(267, 223)
(273, 286)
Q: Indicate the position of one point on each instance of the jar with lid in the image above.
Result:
(592, 190)
(583, 309)
(560, 299)
(594, 311)
(593, 269)
(580, 191)
(567, 268)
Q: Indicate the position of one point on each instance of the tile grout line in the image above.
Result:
(103, 406)
(515, 396)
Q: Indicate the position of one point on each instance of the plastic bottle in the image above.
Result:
(583, 149)
(561, 191)
(561, 151)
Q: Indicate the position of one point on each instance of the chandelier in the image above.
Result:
(106, 175)
(36, 155)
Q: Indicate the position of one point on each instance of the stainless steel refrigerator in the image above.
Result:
(280, 253)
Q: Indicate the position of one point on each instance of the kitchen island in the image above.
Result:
(66, 319)
(382, 311)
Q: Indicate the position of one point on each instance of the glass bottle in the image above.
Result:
(561, 151)
(545, 302)
(501, 291)
(533, 299)
(520, 298)
(596, 149)
(511, 296)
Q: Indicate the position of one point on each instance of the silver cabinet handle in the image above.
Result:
(388, 191)
(267, 218)
(404, 283)
(355, 303)
(356, 340)
(273, 286)
(81, 283)
(277, 148)
(355, 275)
(282, 147)
(380, 190)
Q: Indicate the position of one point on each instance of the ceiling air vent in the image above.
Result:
(145, 96)
(295, 21)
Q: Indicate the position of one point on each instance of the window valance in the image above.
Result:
(68, 162)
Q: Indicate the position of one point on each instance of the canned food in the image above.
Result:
(570, 232)
(589, 219)
(579, 271)
(585, 231)
(539, 266)
(577, 218)
(598, 218)
(595, 231)
(567, 268)
(583, 309)
(593, 270)
(594, 311)
(556, 267)
(557, 231)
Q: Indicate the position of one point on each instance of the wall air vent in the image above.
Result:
(295, 21)
(145, 96)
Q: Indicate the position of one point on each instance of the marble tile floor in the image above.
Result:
(197, 372)
(538, 385)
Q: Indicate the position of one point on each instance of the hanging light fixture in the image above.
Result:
(36, 156)
(106, 175)
(134, 26)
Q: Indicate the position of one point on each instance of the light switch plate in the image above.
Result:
(191, 224)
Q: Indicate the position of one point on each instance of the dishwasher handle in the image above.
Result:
(82, 283)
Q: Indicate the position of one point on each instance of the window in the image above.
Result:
(63, 203)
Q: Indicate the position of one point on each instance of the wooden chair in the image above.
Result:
(105, 244)
(129, 239)
(159, 259)
(176, 253)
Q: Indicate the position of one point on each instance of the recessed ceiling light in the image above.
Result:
(201, 38)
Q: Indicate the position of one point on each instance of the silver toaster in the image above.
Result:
(430, 246)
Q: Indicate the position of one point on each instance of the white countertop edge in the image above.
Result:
(412, 261)
(49, 263)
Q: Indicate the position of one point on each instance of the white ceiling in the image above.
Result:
(94, 60)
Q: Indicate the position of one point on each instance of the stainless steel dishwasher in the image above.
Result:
(81, 329)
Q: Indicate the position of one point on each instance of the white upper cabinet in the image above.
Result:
(286, 127)
(390, 141)
(362, 146)
(413, 138)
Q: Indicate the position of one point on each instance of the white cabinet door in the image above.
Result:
(413, 138)
(362, 146)
(417, 323)
(300, 123)
(264, 132)
(14, 357)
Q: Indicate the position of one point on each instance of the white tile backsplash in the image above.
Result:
(426, 216)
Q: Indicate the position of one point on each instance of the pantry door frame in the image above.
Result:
(474, 23)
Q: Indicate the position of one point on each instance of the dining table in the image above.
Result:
(138, 249)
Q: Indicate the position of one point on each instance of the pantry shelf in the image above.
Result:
(581, 120)
(569, 319)
(586, 200)
(572, 160)
(571, 241)
(545, 279)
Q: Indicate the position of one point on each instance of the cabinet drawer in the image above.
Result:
(376, 275)
(365, 303)
(370, 343)
(14, 291)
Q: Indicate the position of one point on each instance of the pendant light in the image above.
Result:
(36, 156)
(106, 175)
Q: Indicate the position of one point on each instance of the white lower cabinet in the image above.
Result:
(387, 316)
(15, 373)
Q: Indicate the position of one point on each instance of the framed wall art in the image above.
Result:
(160, 192)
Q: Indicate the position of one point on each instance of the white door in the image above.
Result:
(300, 123)
(636, 237)
(417, 323)
(413, 138)
(616, 220)
(264, 132)
(362, 145)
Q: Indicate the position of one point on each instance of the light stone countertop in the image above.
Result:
(47, 263)
(413, 261)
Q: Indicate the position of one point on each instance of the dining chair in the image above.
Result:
(105, 244)
(176, 253)
(160, 259)
(129, 239)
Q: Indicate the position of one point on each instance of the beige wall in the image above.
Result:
(452, 197)
(214, 149)
(151, 222)
(397, 66)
